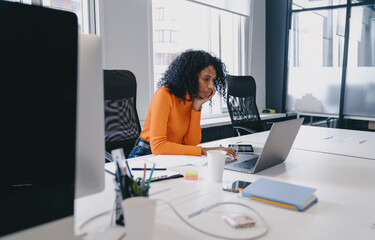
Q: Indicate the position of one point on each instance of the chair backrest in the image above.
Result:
(122, 127)
(241, 102)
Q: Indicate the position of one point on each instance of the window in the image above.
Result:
(187, 25)
(331, 71)
(157, 59)
(159, 14)
(360, 78)
(315, 61)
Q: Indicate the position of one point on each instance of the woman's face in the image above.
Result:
(206, 78)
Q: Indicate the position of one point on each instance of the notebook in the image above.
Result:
(275, 151)
(282, 194)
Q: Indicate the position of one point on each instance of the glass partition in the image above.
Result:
(298, 4)
(315, 61)
(360, 82)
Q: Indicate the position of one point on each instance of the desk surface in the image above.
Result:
(345, 209)
(321, 139)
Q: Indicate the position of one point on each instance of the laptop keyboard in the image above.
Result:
(248, 164)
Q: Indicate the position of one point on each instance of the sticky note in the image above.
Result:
(192, 175)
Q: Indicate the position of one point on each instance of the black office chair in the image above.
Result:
(242, 106)
(122, 127)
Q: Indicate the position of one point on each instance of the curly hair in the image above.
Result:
(182, 74)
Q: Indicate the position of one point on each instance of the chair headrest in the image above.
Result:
(241, 86)
(119, 84)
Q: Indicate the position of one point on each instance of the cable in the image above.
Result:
(210, 207)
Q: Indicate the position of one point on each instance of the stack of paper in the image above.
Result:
(178, 160)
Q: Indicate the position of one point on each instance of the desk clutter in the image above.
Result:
(126, 185)
(137, 168)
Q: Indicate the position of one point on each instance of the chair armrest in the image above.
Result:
(243, 128)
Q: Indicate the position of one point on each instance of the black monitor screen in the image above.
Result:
(38, 79)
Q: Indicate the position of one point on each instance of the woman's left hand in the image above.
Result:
(198, 102)
(230, 151)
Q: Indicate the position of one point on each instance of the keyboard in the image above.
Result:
(248, 164)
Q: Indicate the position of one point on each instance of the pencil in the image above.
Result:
(127, 165)
(143, 181)
(148, 169)
(149, 179)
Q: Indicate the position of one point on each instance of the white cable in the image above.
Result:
(213, 206)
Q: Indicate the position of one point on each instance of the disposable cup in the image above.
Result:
(216, 161)
(139, 215)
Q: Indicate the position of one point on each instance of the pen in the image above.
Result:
(127, 165)
(149, 179)
(143, 181)
(148, 169)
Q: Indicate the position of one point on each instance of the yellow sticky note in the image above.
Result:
(191, 175)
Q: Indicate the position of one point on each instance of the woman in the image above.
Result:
(172, 124)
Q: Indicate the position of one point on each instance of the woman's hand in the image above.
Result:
(198, 102)
(229, 151)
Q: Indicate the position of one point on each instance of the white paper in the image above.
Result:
(178, 160)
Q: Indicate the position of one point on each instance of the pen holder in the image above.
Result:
(139, 215)
(127, 189)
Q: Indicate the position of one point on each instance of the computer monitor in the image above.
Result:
(52, 124)
(90, 152)
(38, 59)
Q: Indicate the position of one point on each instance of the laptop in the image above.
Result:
(275, 150)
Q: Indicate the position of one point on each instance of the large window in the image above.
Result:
(331, 65)
(315, 61)
(360, 78)
(179, 25)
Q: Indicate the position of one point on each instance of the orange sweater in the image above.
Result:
(172, 127)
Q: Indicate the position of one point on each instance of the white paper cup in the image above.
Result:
(216, 161)
(139, 213)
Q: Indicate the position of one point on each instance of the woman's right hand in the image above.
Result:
(229, 151)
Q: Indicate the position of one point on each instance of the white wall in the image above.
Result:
(125, 29)
(258, 52)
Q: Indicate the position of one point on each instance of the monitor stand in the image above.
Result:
(61, 229)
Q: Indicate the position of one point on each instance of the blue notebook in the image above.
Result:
(281, 194)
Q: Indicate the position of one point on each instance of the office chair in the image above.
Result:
(242, 106)
(122, 127)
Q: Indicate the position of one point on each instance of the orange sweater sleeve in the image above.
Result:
(194, 134)
(171, 126)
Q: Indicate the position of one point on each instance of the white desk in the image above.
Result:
(345, 210)
(321, 139)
